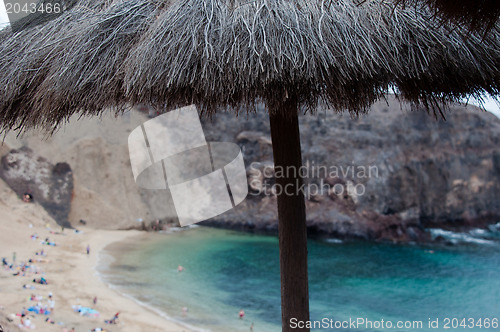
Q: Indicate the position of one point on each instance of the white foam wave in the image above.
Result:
(170, 230)
(495, 227)
(474, 236)
(333, 240)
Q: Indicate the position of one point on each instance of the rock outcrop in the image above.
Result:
(387, 175)
(104, 194)
(49, 185)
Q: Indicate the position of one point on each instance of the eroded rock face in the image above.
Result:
(50, 185)
(387, 175)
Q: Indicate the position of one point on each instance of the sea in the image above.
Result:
(354, 286)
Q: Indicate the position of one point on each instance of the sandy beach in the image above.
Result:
(70, 273)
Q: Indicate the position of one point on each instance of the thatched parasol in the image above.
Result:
(232, 54)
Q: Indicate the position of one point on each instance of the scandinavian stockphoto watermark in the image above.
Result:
(359, 323)
(430, 323)
(316, 180)
(169, 154)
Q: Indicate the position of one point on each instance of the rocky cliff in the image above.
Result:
(33, 176)
(385, 175)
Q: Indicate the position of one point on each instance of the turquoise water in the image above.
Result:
(225, 271)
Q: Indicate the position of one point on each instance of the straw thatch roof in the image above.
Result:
(477, 15)
(220, 53)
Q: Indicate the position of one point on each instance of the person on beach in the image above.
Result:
(95, 300)
(88, 249)
(251, 327)
(242, 314)
(41, 281)
(27, 198)
(112, 320)
(25, 322)
(51, 302)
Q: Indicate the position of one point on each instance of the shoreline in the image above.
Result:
(72, 275)
(101, 264)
